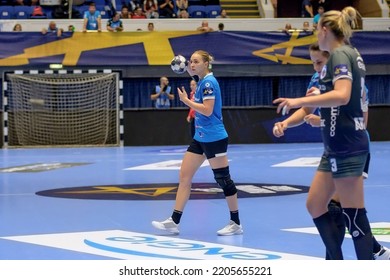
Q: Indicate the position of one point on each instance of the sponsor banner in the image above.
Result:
(158, 48)
(128, 245)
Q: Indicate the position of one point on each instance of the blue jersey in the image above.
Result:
(211, 128)
(162, 102)
(92, 23)
(314, 82)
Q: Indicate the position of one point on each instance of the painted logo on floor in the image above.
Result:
(41, 167)
(380, 230)
(138, 246)
(168, 191)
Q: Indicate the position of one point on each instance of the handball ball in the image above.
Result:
(179, 64)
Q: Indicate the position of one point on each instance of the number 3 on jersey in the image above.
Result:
(333, 165)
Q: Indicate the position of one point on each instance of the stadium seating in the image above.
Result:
(212, 11)
(197, 11)
(7, 12)
(23, 12)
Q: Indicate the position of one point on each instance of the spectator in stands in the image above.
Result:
(166, 8)
(115, 24)
(287, 28)
(306, 27)
(125, 12)
(92, 19)
(183, 14)
(307, 9)
(138, 14)
(162, 94)
(182, 7)
(71, 28)
(17, 27)
(221, 26)
(52, 28)
(316, 18)
(325, 4)
(205, 27)
(275, 7)
(151, 8)
(223, 14)
(150, 26)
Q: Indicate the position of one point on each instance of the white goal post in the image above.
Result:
(62, 108)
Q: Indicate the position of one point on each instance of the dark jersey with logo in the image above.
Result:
(342, 127)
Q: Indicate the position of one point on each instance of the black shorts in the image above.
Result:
(209, 149)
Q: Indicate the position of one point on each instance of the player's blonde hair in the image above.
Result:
(341, 23)
(206, 57)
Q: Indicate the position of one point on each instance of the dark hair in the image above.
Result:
(316, 48)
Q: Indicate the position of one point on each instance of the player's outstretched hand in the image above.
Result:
(278, 129)
(286, 104)
(313, 120)
(313, 91)
(182, 95)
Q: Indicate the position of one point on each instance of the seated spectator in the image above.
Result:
(115, 24)
(92, 19)
(287, 28)
(17, 27)
(205, 27)
(125, 12)
(183, 14)
(306, 27)
(132, 4)
(138, 14)
(221, 26)
(316, 18)
(151, 8)
(166, 8)
(181, 5)
(71, 28)
(150, 26)
(52, 28)
(162, 94)
(307, 9)
(223, 14)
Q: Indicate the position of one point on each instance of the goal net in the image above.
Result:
(62, 109)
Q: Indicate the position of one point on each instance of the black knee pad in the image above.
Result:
(357, 222)
(222, 176)
(334, 208)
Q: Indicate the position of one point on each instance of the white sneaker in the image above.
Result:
(231, 229)
(167, 225)
(383, 254)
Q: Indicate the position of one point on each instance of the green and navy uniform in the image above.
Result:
(343, 130)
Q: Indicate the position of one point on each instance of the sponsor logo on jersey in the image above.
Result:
(334, 112)
(341, 70)
(323, 72)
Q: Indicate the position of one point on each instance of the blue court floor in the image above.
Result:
(98, 204)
